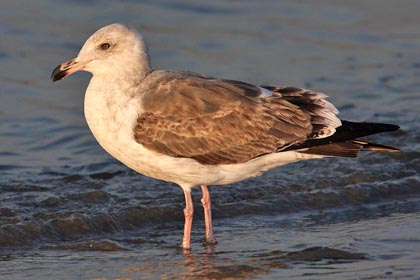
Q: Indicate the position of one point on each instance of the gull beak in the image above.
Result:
(67, 68)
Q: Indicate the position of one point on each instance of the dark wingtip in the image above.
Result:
(387, 127)
(368, 128)
(347, 131)
(394, 127)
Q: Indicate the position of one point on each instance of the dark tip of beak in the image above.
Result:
(59, 73)
(65, 69)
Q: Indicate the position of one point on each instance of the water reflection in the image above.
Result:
(211, 264)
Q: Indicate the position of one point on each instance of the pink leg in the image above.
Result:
(188, 213)
(206, 201)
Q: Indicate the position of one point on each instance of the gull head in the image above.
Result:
(115, 48)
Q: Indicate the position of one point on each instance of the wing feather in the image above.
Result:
(217, 121)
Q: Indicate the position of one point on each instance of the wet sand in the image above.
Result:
(70, 211)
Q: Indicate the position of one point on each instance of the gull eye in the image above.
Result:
(104, 46)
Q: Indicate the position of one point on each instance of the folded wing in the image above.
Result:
(217, 121)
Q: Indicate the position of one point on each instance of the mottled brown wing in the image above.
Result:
(216, 121)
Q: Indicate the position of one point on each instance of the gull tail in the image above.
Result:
(347, 149)
(343, 142)
(369, 146)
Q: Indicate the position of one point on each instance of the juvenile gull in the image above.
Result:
(195, 130)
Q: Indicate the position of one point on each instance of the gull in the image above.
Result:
(195, 130)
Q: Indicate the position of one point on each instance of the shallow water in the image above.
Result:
(70, 211)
